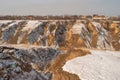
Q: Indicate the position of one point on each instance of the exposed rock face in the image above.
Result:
(100, 35)
(102, 41)
(35, 34)
(8, 32)
(80, 35)
(60, 35)
(25, 64)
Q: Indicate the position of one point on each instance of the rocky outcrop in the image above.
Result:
(100, 35)
(60, 35)
(25, 64)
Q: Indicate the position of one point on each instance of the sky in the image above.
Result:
(60, 7)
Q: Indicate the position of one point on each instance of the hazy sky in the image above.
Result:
(59, 7)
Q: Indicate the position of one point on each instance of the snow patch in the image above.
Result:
(77, 28)
(31, 25)
(5, 21)
(119, 41)
(100, 65)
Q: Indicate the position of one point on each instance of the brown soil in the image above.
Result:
(115, 41)
(114, 36)
(56, 66)
(24, 39)
(74, 41)
(50, 39)
(94, 35)
(0, 32)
